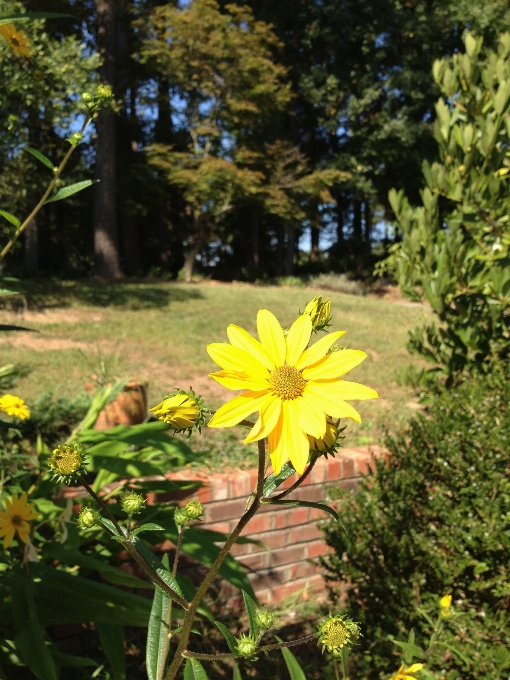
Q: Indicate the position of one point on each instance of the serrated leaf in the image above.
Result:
(112, 642)
(252, 614)
(193, 670)
(10, 218)
(295, 670)
(40, 157)
(111, 526)
(309, 504)
(272, 482)
(65, 192)
(147, 527)
(230, 639)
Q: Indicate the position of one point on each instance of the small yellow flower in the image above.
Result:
(67, 462)
(182, 411)
(15, 519)
(403, 673)
(14, 406)
(445, 603)
(291, 385)
(338, 632)
(17, 40)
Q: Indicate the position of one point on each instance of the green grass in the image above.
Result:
(159, 332)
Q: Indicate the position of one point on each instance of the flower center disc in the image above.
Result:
(16, 521)
(287, 382)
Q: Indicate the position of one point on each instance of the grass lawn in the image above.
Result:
(159, 331)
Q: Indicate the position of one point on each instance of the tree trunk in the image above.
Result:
(194, 249)
(32, 247)
(356, 222)
(105, 209)
(368, 221)
(279, 250)
(255, 217)
(315, 233)
(291, 246)
(340, 219)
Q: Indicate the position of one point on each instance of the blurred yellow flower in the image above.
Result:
(14, 406)
(446, 601)
(291, 385)
(403, 673)
(17, 40)
(180, 411)
(16, 519)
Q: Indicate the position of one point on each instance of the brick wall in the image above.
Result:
(291, 534)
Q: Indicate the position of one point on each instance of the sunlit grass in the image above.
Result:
(159, 331)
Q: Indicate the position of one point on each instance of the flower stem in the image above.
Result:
(168, 618)
(188, 619)
(264, 648)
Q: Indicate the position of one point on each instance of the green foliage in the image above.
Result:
(433, 520)
(455, 248)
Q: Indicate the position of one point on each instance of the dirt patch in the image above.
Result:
(50, 316)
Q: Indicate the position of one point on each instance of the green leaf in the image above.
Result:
(193, 670)
(309, 504)
(30, 16)
(70, 660)
(151, 559)
(157, 634)
(272, 482)
(112, 642)
(295, 670)
(147, 527)
(10, 217)
(252, 615)
(111, 526)
(40, 157)
(236, 673)
(29, 638)
(65, 192)
(231, 641)
(8, 327)
(411, 650)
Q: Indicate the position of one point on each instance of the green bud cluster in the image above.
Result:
(102, 97)
(246, 647)
(133, 503)
(319, 311)
(265, 620)
(192, 511)
(89, 518)
(75, 139)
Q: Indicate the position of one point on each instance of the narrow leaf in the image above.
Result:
(193, 670)
(295, 670)
(10, 218)
(110, 525)
(112, 642)
(309, 504)
(151, 559)
(40, 157)
(252, 614)
(30, 16)
(157, 634)
(231, 641)
(236, 673)
(147, 527)
(65, 192)
(272, 482)
(8, 327)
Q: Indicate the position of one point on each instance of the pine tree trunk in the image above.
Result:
(106, 252)
(356, 222)
(291, 246)
(194, 249)
(368, 222)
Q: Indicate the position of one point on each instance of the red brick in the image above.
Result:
(239, 484)
(223, 527)
(254, 562)
(303, 569)
(257, 524)
(239, 549)
(268, 578)
(313, 493)
(287, 589)
(290, 517)
(204, 494)
(347, 468)
(319, 473)
(219, 487)
(364, 465)
(289, 555)
(308, 532)
(271, 539)
(226, 510)
(317, 549)
(334, 469)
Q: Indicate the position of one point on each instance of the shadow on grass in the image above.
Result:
(130, 295)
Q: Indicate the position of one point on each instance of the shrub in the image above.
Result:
(434, 519)
(339, 283)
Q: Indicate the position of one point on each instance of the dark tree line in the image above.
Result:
(238, 129)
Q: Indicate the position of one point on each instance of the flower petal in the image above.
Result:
(334, 365)
(234, 380)
(237, 409)
(235, 359)
(298, 338)
(296, 440)
(8, 537)
(242, 339)
(316, 398)
(268, 419)
(344, 389)
(274, 441)
(311, 420)
(318, 350)
(271, 336)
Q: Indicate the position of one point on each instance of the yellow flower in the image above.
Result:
(14, 406)
(446, 601)
(67, 462)
(17, 40)
(403, 673)
(180, 411)
(16, 519)
(291, 387)
(338, 632)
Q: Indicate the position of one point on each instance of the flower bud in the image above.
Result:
(103, 93)
(330, 441)
(75, 139)
(181, 518)
(87, 97)
(182, 411)
(246, 647)
(67, 462)
(445, 603)
(194, 510)
(89, 518)
(133, 503)
(265, 619)
(319, 311)
(338, 632)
